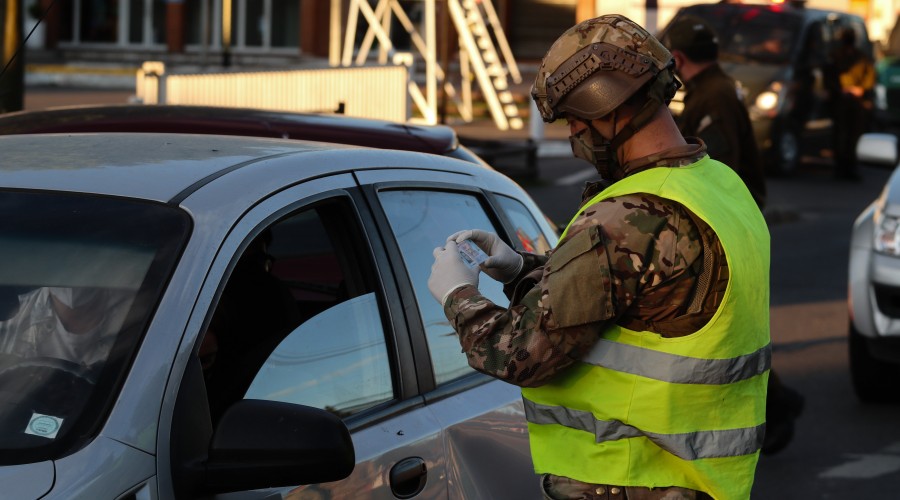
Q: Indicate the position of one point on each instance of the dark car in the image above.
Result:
(440, 140)
(779, 54)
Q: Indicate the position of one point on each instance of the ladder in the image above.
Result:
(480, 36)
(478, 26)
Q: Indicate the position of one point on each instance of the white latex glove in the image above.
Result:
(503, 263)
(449, 272)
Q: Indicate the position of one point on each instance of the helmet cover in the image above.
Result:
(595, 66)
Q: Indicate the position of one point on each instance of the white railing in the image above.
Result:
(362, 91)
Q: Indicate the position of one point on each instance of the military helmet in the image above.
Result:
(596, 65)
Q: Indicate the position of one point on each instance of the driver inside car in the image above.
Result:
(75, 324)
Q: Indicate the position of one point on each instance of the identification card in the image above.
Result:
(472, 255)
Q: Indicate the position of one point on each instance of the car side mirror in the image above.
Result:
(260, 444)
(877, 149)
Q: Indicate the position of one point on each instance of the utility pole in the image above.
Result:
(12, 57)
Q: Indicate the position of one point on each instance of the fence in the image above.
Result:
(363, 91)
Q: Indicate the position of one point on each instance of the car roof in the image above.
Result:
(168, 167)
(341, 129)
(796, 9)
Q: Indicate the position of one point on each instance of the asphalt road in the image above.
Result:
(842, 449)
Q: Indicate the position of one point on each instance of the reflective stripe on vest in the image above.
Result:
(687, 446)
(678, 369)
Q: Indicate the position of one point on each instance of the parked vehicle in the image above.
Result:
(778, 54)
(185, 119)
(261, 298)
(874, 281)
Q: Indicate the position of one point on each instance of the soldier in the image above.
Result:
(641, 342)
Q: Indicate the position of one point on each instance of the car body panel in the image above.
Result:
(150, 167)
(32, 480)
(232, 121)
(869, 268)
(478, 471)
(873, 291)
(235, 121)
(125, 469)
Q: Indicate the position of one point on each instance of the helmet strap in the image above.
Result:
(659, 92)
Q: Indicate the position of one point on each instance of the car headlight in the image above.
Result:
(768, 101)
(887, 234)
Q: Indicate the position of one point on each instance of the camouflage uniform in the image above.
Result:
(645, 259)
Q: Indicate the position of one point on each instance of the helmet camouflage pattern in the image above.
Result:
(596, 65)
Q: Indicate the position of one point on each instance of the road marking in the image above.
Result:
(554, 149)
(577, 178)
(867, 466)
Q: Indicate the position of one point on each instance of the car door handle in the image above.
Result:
(408, 477)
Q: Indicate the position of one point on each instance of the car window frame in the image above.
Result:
(406, 391)
(266, 212)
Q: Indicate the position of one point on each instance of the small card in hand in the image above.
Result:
(472, 255)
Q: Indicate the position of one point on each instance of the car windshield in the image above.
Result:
(80, 278)
(747, 33)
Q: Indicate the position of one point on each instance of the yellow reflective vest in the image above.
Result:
(644, 410)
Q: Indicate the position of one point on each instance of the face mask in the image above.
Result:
(601, 156)
(583, 147)
(74, 298)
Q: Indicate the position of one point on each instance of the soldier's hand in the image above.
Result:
(449, 272)
(503, 263)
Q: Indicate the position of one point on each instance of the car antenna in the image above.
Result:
(25, 40)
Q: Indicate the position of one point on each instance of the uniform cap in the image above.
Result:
(690, 34)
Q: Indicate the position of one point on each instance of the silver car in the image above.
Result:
(227, 317)
(874, 282)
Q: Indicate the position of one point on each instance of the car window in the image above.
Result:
(528, 234)
(764, 34)
(80, 278)
(422, 220)
(299, 320)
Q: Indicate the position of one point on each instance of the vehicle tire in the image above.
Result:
(874, 380)
(784, 156)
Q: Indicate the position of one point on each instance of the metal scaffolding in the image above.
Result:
(484, 53)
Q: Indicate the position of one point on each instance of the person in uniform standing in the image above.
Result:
(641, 341)
(714, 108)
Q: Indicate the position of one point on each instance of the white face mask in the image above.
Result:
(76, 297)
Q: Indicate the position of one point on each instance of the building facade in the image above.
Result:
(289, 31)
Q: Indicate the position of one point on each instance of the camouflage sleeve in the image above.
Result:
(612, 254)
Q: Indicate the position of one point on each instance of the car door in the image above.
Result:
(301, 310)
(483, 422)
